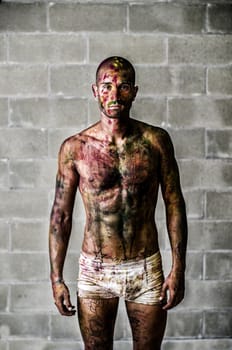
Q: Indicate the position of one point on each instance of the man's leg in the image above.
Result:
(97, 320)
(148, 324)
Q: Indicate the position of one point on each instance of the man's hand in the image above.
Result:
(175, 286)
(62, 299)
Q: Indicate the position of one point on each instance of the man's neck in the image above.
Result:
(114, 128)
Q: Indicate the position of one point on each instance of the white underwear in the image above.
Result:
(138, 281)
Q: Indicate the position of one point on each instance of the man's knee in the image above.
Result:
(94, 343)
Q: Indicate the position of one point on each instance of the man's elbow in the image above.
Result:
(60, 216)
(176, 205)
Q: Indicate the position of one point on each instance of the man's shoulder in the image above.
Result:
(71, 141)
(79, 138)
(151, 130)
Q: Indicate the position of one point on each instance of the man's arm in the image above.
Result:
(176, 222)
(60, 227)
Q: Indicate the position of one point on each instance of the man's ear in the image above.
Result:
(135, 91)
(95, 91)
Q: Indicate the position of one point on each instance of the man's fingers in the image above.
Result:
(67, 300)
(170, 303)
(173, 300)
(68, 305)
(65, 310)
(163, 292)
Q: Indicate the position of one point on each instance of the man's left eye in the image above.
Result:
(125, 87)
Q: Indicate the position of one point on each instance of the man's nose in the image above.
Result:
(115, 94)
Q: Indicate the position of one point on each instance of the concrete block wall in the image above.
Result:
(49, 52)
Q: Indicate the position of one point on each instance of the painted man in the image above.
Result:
(118, 165)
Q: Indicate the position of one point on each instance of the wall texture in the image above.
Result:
(182, 51)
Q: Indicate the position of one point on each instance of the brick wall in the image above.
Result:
(182, 51)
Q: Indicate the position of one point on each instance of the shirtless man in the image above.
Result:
(118, 165)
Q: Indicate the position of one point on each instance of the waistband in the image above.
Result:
(132, 262)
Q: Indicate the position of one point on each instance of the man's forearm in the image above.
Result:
(178, 233)
(58, 243)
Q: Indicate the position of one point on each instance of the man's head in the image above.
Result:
(118, 64)
(115, 87)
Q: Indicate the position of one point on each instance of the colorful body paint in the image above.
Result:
(115, 183)
(118, 164)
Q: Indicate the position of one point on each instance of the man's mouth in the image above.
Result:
(114, 106)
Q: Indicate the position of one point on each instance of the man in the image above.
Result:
(118, 165)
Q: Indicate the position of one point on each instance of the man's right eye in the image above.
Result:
(107, 87)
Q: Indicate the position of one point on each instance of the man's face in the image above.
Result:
(115, 92)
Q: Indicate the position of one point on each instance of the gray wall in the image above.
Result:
(182, 51)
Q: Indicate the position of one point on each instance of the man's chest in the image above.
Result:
(104, 166)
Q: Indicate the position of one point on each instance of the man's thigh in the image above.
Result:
(148, 324)
(97, 320)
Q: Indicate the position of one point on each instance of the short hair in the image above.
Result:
(119, 63)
